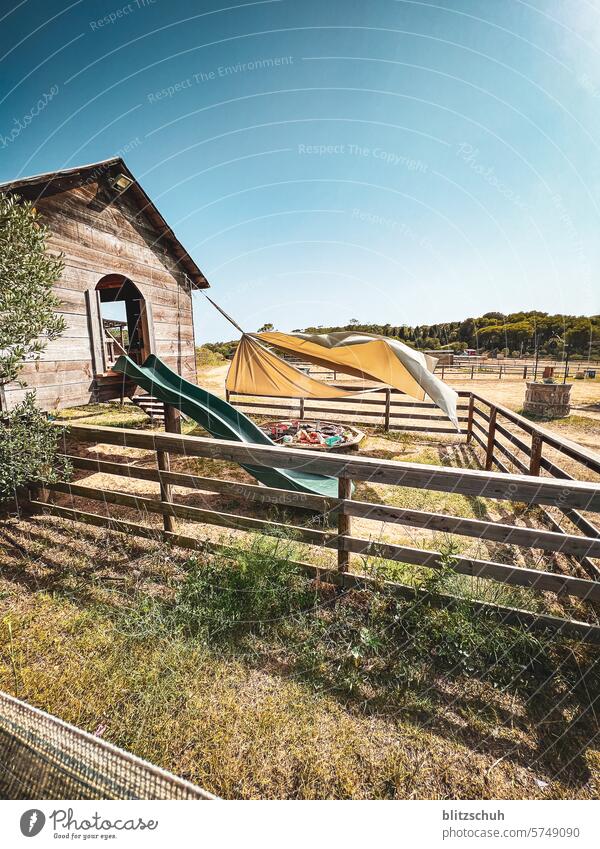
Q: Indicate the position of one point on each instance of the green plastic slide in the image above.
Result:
(220, 419)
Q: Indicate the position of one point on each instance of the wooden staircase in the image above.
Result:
(151, 406)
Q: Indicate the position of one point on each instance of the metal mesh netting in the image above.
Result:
(42, 757)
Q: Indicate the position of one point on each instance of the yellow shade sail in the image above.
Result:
(370, 358)
(256, 370)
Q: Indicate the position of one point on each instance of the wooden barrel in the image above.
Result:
(548, 400)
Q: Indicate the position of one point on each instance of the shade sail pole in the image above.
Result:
(223, 313)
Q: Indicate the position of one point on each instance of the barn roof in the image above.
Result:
(104, 171)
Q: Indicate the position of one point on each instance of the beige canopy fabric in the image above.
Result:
(256, 370)
(359, 354)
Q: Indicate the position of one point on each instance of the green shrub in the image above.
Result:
(28, 449)
(223, 597)
(29, 316)
(207, 356)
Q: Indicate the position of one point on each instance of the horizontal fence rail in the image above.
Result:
(387, 405)
(471, 482)
(335, 531)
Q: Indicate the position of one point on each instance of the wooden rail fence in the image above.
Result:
(512, 442)
(335, 525)
(389, 406)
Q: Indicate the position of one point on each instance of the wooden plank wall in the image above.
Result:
(96, 240)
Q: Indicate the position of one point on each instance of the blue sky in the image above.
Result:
(396, 161)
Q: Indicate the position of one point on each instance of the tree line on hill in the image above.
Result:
(512, 334)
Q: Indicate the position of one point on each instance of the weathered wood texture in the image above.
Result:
(525, 452)
(380, 407)
(97, 239)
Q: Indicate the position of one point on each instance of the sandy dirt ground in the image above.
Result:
(582, 426)
(585, 394)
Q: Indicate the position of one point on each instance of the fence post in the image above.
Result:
(489, 455)
(172, 425)
(524, 372)
(536, 454)
(388, 404)
(166, 494)
(227, 395)
(344, 524)
(442, 371)
(472, 372)
(500, 373)
(172, 419)
(470, 418)
(301, 416)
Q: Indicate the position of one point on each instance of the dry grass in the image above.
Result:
(104, 415)
(257, 717)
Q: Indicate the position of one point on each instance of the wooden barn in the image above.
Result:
(126, 286)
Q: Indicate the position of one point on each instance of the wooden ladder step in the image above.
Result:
(150, 405)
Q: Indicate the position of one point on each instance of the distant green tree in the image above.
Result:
(266, 328)
(579, 336)
(519, 331)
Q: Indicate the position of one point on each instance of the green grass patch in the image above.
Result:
(104, 415)
(585, 424)
(421, 499)
(258, 596)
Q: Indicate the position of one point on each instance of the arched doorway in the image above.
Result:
(125, 318)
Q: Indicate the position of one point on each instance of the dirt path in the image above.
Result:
(213, 378)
